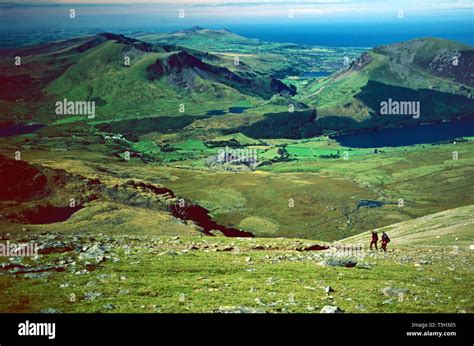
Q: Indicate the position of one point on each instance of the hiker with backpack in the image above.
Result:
(385, 241)
(375, 239)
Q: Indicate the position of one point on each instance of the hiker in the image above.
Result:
(375, 239)
(385, 241)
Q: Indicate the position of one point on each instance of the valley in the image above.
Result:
(135, 212)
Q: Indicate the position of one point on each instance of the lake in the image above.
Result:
(315, 74)
(402, 136)
(233, 110)
(216, 112)
(370, 203)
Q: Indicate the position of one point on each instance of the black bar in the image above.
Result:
(244, 329)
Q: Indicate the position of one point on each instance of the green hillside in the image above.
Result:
(424, 70)
(451, 227)
(148, 273)
(95, 69)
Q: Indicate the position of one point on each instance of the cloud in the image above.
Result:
(325, 9)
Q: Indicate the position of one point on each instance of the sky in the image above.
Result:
(263, 9)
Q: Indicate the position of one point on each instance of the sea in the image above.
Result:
(358, 34)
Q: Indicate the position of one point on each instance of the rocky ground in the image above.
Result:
(90, 272)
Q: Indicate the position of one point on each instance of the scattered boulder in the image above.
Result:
(364, 266)
(92, 295)
(270, 281)
(51, 311)
(328, 309)
(41, 275)
(95, 252)
(328, 289)
(109, 306)
(103, 276)
(193, 246)
(239, 310)
(39, 269)
(393, 291)
(338, 262)
(54, 247)
(81, 272)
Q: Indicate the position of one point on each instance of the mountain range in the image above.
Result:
(172, 75)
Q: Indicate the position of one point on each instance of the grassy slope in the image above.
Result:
(451, 227)
(194, 274)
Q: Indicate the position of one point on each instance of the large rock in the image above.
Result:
(393, 291)
(328, 289)
(338, 262)
(92, 295)
(96, 252)
(328, 309)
